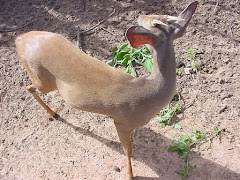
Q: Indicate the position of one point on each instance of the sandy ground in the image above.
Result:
(83, 145)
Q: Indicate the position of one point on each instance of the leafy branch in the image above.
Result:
(125, 55)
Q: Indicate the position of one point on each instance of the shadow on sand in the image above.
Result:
(162, 162)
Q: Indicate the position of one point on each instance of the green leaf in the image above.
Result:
(194, 130)
(183, 154)
(179, 72)
(137, 53)
(181, 172)
(148, 64)
(194, 138)
(191, 54)
(173, 148)
(166, 115)
(109, 62)
(120, 55)
(177, 126)
(131, 71)
(115, 49)
(175, 97)
(126, 60)
(114, 56)
(163, 124)
(138, 62)
(147, 51)
(123, 47)
(183, 145)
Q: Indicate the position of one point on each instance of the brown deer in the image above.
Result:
(54, 63)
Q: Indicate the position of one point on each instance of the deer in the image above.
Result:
(85, 83)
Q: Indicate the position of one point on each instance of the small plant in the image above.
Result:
(186, 170)
(179, 71)
(217, 132)
(165, 116)
(184, 143)
(125, 55)
(191, 54)
(176, 97)
(214, 45)
(191, 58)
(177, 126)
(205, 25)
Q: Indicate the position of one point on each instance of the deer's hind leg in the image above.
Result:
(32, 89)
(40, 83)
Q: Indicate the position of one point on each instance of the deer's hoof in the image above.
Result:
(56, 116)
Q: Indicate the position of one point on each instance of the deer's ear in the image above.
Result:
(138, 36)
(186, 14)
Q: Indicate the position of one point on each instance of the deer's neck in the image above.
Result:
(164, 65)
(156, 91)
(163, 77)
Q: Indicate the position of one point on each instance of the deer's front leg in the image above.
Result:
(124, 135)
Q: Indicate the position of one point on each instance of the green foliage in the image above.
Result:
(186, 170)
(131, 70)
(176, 97)
(179, 71)
(148, 64)
(165, 116)
(191, 54)
(125, 55)
(213, 45)
(217, 132)
(191, 57)
(177, 126)
(184, 143)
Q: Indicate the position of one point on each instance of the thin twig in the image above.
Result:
(230, 29)
(15, 29)
(81, 32)
(100, 22)
(106, 30)
(3, 13)
(4, 67)
(80, 38)
(215, 8)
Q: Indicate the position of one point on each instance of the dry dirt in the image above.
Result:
(85, 145)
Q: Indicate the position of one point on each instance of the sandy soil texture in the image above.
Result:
(85, 145)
